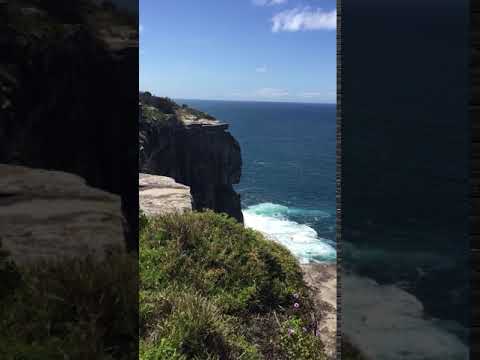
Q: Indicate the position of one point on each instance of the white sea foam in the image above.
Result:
(302, 240)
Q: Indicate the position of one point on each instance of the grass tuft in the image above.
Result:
(211, 289)
(75, 309)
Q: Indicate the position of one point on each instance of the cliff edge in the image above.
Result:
(53, 215)
(194, 149)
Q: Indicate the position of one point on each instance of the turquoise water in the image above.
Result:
(288, 178)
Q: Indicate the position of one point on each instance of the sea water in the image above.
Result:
(288, 176)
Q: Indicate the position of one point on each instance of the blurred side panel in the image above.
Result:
(68, 179)
(405, 145)
(475, 178)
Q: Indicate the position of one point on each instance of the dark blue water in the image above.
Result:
(288, 178)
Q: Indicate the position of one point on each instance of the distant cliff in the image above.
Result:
(194, 149)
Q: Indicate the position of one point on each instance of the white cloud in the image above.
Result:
(268, 2)
(261, 69)
(317, 94)
(304, 19)
(311, 94)
(271, 93)
(140, 28)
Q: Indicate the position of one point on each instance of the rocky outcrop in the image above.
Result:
(162, 195)
(68, 81)
(194, 149)
(47, 215)
(322, 281)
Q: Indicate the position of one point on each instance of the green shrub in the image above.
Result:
(179, 323)
(212, 289)
(237, 267)
(83, 309)
(162, 350)
(162, 104)
(299, 342)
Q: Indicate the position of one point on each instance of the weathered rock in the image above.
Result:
(199, 153)
(162, 195)
(322, 280)
(46, 215)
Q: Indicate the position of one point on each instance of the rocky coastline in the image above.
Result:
(192, 148)
(191, 153)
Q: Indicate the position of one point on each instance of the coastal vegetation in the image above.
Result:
(212, 289)
(167, 106)
(161, 104)
(151, 115)
(75, 309)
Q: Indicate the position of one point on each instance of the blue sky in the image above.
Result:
(261, 50)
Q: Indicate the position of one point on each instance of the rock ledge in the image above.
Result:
(162, 195)
(53, 215)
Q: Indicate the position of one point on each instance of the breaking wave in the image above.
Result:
(274, 221)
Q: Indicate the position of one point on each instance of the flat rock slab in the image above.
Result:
(161, 195)
(53, 215)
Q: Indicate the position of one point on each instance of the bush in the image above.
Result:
(299, 342)
(82, 309)
(237, 267)
(181, 323)
(152, 114)
(162, 104)
(211, 289)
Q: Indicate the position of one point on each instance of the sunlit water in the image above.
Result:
(288, 176)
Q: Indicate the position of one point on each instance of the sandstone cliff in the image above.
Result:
(194, 149)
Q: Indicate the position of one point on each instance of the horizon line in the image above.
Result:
(260, 101)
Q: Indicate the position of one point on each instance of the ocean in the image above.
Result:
(288, 176)
(394, 261)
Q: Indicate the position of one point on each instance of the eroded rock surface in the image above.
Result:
(322, 280)
(46, 215)
(162, 195)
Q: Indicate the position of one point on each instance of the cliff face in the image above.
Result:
(66, 80)
(194, 149)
